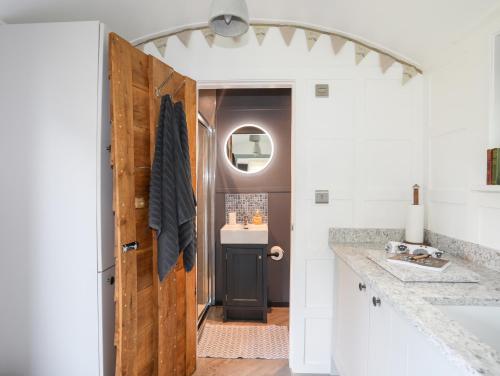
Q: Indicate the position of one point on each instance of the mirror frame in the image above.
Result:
(243, 126)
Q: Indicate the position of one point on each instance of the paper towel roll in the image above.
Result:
(414, 232)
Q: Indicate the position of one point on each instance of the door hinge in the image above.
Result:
(130, 246)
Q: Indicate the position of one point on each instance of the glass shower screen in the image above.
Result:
(205, 177)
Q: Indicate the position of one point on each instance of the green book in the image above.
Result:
(495, 166)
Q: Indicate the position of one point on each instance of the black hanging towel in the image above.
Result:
(172, 207)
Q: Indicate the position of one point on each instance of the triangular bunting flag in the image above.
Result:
(408, 73)
(209, 36)
(287, 32)
(312, 37)
(184, 37)
(337, 43)
(161, 45)
(361, 52)
(140, 47)
(386, 62)
(260, 33)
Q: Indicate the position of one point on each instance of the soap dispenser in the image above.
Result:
(257, 218)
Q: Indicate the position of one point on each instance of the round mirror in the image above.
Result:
(249, 148)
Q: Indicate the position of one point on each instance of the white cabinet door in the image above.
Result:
(351, 309)
(379, 338)
(399, 344)
(425, 358)
(373, 340)
(106, 281)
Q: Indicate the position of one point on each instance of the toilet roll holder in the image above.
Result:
(276, 253)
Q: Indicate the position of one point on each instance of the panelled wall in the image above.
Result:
(364, 144)
(459, 85)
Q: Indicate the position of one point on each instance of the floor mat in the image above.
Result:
(242, 341)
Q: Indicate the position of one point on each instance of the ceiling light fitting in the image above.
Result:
(229, 18)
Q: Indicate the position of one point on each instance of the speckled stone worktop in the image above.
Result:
(417, 303)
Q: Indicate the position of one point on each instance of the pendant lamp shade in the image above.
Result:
(229, 18)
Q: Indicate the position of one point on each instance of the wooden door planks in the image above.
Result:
(155, 322)
(165, 298)
(124, 189)
(191, 108)
(176, 294)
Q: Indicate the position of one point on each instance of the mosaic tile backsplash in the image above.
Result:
(246, 204)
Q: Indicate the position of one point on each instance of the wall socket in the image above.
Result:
(321, 196)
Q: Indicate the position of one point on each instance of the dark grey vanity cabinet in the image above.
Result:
(245, 287)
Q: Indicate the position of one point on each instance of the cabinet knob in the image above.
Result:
(376, 301)
(361, 286)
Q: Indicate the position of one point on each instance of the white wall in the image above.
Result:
(363, 144)
(459, 84)
(48, 196)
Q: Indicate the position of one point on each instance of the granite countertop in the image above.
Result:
(418, 302)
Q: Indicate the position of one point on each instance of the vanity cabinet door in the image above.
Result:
(352, 322)
(244, 276)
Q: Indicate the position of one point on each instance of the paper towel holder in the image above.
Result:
(416, 192)
(414, 233)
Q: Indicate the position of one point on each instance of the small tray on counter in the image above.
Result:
(410, 273)
(427, 263)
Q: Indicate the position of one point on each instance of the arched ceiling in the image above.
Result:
(416, 29)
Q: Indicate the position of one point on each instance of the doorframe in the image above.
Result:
(270, 84)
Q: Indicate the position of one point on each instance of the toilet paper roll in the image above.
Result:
(279, 250)
(232, 218)
(414, 231)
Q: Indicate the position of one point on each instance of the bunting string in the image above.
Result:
(338, 41)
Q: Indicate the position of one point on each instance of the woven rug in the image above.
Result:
(242, 341)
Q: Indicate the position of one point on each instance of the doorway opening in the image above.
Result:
(244, 181)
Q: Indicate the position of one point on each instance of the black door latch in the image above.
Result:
(130, 246)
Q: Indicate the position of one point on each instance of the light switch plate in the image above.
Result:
(321, 197)
(322, 90)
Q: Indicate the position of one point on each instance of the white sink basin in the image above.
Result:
(237, 234)
(482, 321)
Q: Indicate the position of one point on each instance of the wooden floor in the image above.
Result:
(245, 367)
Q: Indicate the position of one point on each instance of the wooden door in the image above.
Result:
(155, 326)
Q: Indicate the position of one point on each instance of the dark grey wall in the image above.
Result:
(271, 109)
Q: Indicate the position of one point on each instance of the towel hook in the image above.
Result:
(162, 85)
(179, 87)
